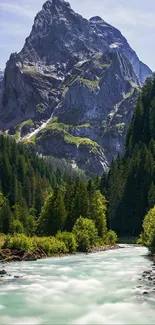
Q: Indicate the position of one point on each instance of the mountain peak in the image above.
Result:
(96, 19)
(50, 3)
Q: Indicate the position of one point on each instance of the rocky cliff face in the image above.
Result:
(117, 43)
(1, 79)
(72, 88)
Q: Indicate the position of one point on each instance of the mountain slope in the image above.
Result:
(1, 78)
(80, 72)
(117, 42)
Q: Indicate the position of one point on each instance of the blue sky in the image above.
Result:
(135, 19)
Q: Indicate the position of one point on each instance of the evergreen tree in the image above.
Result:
(53, 214)
(80, 201)
(151, 196)
(98, 210)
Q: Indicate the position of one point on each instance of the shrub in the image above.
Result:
(85, 233)
(111, 237)
(50, 245)
(20, 241)
(148, 237)
(69, 240)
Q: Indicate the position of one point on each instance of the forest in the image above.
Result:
(66, 211)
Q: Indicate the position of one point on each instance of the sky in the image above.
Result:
(134, 18)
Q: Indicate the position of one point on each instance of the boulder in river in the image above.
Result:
(16, 276)
(145, 293)
(3, 272)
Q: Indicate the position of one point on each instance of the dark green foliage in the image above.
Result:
(53, 214)
(34, 200)
(26, 180)
(5, 214)
(130, 189)
(151, 196)
(80, 201)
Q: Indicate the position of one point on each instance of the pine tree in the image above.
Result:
(5, 214)
(80, 201)
(151, 196)
(98, 210)
(53, 214)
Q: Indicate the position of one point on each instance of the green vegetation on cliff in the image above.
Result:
(91, 83)
(65, 131)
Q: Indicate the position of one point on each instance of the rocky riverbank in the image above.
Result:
(149, 278)
(97, 249)
(18, 255)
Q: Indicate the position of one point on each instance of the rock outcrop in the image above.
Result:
(81, 73)
(1, 79)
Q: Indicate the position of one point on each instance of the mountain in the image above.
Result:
(74, 85)
(116, 42)
(1, 78)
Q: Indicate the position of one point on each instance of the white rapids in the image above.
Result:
(100, 288)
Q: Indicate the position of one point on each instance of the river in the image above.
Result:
(99, 288)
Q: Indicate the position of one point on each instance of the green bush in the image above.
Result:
(69, 240)
(111, 237)
(20, 241)
(85, 233)
(148, 237)
(50, 245)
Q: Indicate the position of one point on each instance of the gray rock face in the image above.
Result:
(84, 75)
(116, 42)
(1, 79)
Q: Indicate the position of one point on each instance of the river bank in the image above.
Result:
(148, 277)
(19, 255)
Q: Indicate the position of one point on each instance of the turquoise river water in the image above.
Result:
(99, 288)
